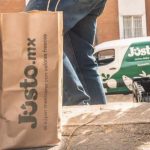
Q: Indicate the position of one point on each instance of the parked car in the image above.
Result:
(121, 60)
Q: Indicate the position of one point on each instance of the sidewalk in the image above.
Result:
(116, 126)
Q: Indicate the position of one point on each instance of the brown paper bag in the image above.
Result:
(31, 79)
(12, 6)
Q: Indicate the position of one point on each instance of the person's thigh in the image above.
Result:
(74, 10)
(86, 27)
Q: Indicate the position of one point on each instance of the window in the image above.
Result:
(132, 26)
(105, 57)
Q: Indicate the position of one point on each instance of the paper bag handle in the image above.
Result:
(48, 5)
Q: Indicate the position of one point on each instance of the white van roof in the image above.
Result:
(119, 43)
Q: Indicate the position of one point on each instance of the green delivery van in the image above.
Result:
(121, 60)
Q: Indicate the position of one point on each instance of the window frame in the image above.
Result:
(133, 33)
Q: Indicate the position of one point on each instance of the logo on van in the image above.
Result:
(29, 85)
(139, 51)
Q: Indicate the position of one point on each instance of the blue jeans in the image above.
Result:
(82, 84)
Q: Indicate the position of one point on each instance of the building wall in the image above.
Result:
(147, 3)
(12, 5)
(128, 8)
(108, 23)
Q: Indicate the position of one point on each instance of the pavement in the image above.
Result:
(120, 125)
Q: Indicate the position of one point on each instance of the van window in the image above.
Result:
(105, 57)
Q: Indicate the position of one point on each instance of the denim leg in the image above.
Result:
(87, 69)
(74, 12)
(73, 92)
(80, 53)
(82, 37)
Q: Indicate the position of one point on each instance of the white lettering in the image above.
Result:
(131, 54)
(148, 49)
(139, 52)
